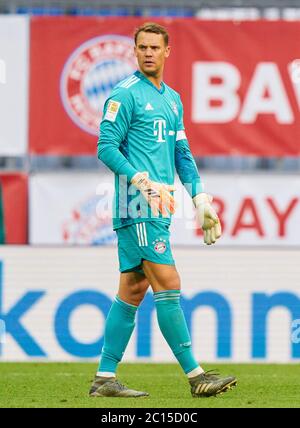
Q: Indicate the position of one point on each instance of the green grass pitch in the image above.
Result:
(67, 384)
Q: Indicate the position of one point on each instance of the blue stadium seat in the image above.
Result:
(99, 12)
(45, 11)
(174, 12)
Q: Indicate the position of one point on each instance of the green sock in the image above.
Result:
(173, 326)
(119, 326)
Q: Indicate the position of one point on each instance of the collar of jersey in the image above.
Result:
(144, 78)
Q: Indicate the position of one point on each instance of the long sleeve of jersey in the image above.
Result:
(114, 126)
(184, 161)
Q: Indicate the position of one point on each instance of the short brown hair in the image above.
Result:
(152, 27)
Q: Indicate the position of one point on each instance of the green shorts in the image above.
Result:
(143, 241)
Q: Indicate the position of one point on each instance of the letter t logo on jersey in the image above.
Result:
(160, 130)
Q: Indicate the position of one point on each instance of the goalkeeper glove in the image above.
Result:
(207, 218)
(156, 194)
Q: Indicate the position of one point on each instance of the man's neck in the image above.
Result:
(155, 80)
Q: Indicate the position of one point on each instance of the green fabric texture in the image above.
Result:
(173, 326)
(142, 130)
(119, 326)
(144, 241)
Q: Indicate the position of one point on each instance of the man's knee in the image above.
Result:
(133, 291)
(162, 277)
(138, 291)
(170, 281)
(171, 284)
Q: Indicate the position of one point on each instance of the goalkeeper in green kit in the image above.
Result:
(142, 140)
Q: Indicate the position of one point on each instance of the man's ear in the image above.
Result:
(167, 51)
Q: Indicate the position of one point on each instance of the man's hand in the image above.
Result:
(156, 194)
(207, 218)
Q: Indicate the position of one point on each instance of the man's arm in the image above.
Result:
(189, 177)
(184, 161)
(117, 115)
(185, 165)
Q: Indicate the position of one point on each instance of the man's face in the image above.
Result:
(151, 53)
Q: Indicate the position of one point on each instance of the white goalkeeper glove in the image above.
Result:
(207, 218)
(156, 194)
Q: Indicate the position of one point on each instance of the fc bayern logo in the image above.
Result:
(90, 74)
(160, 247)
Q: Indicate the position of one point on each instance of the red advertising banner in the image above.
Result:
(13, 208)
(240, 85)
(239, 82)
(75, 62)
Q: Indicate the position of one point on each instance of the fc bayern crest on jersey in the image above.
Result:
(90, 74)
(160, 245)
(174, 108)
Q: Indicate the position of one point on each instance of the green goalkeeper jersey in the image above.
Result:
(142, 130)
